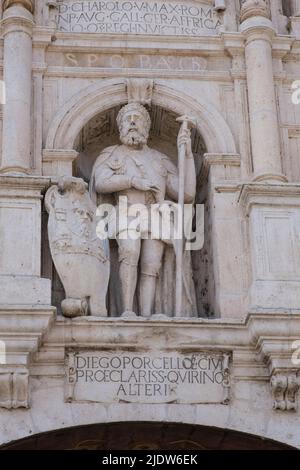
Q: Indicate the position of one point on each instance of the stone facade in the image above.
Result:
(69, 356)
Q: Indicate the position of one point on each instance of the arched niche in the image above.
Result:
(100, 97)
(87, 124)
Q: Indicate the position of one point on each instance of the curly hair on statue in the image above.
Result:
(134, 107)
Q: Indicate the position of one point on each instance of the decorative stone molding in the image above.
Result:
(16, 19)
(27, 4)
(265, 334)
(258, 28)
(296, 8)
(58, 162)
(14, 389)
(234, 45)
(250, 8)
(263, 194)
(22, 331)
(225, 161)
(284, 386)
(139, 90)
(86, 104)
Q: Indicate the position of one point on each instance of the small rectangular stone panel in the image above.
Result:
(161, 18)
(147, 377)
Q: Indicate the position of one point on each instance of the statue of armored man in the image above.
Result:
(143, 268)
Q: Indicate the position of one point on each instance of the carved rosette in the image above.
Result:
(250, 8)
(27, 4)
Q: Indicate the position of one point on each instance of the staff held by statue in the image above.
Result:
(187, 123)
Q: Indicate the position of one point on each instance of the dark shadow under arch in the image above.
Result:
(144, 436)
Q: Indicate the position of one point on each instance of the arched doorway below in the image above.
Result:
(144, 436)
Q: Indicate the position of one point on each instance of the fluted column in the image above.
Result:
(259, 32)
(17, 24)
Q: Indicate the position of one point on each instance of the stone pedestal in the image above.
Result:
(20, 238)
(274, 214)
(223, 233)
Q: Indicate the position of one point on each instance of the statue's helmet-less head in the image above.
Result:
(134, 124)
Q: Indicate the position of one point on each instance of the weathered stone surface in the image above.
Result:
(154, 18)
(147, 377)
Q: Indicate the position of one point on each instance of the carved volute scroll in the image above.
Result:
(250, 8)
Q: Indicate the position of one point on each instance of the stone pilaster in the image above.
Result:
(20, 239)
(17, 25)
(296, 7)
(295, 19)
(259, 33)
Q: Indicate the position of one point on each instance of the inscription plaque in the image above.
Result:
(147, 377)
(132, 61)
(161, 18)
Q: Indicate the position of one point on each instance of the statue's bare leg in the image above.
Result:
(129, 253)
(151, 258)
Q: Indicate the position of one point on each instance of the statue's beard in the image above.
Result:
(133, 138)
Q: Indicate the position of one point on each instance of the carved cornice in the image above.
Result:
(20, 183)
(251, 8)
(27, 4)
(268, 193)
(221, 159)
(54, 155)
(258, 27)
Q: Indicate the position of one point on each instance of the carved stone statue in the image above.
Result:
(144, 176)
(80, 257)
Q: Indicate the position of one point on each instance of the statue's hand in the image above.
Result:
(143, 184)
(184, 138)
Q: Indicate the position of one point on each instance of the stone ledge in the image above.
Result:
(260, 347)
(266, 193)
